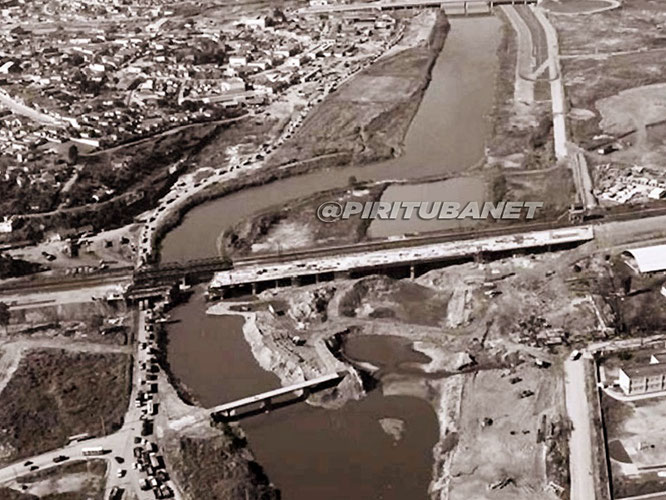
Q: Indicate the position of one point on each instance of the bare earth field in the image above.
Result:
(79, 480)
(628, 52)
(509, 447)
(636, 438)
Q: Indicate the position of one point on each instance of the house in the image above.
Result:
(7, 225)
(657, 193)
(237, 61)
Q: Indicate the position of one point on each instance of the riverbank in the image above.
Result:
(295, 225)
(374, 131)
(367, 117)
(271, 347)
(208, 462)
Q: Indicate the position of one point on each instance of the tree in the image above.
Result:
(73, 154)
(4, 315)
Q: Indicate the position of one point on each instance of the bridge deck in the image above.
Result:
(383, 5)
(276, 392)
(256, 273)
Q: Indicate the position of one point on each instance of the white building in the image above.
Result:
(237, 61)
(7, 225)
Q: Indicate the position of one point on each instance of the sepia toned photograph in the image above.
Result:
(333, 249)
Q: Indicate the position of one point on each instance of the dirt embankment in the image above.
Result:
(216, 464)
(274, 348)
(295, 225)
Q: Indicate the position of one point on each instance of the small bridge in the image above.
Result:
(265, 399)
(449, 6)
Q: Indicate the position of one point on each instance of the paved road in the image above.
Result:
(524, 88)
(556, 85)
(580, 443)
(22, 109)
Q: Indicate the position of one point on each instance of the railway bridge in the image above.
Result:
(450, 7)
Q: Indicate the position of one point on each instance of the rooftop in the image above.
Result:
(645, 370)
(649, 259)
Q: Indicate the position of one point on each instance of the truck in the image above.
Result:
(116, 493)
(155, 461)
(93, 450)
(78, 437)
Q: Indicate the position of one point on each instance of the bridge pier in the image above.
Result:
(254, 288)
(412, 271)
(267, 405)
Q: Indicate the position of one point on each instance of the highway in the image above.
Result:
(523, 87)
(366, 260)
(23, 110)
(582, 178)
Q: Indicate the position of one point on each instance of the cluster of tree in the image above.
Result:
(13, 268)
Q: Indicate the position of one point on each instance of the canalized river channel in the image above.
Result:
(333, 454)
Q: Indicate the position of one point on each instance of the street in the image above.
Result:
(580, 443)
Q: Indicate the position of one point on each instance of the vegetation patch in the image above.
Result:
(55, 394)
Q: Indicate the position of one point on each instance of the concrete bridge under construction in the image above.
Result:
(450, 7)
(254, 275)
(266, 400)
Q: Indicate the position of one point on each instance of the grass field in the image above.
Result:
(55, 394)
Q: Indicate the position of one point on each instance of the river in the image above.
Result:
(331, 454)
(447, 135)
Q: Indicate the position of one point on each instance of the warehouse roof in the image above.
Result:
(649, 259)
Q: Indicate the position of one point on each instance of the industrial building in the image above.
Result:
(646, 260)
(646, 378)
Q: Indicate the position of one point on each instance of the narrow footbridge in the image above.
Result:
(265, 399)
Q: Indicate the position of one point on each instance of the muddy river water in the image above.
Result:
(333, 454)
